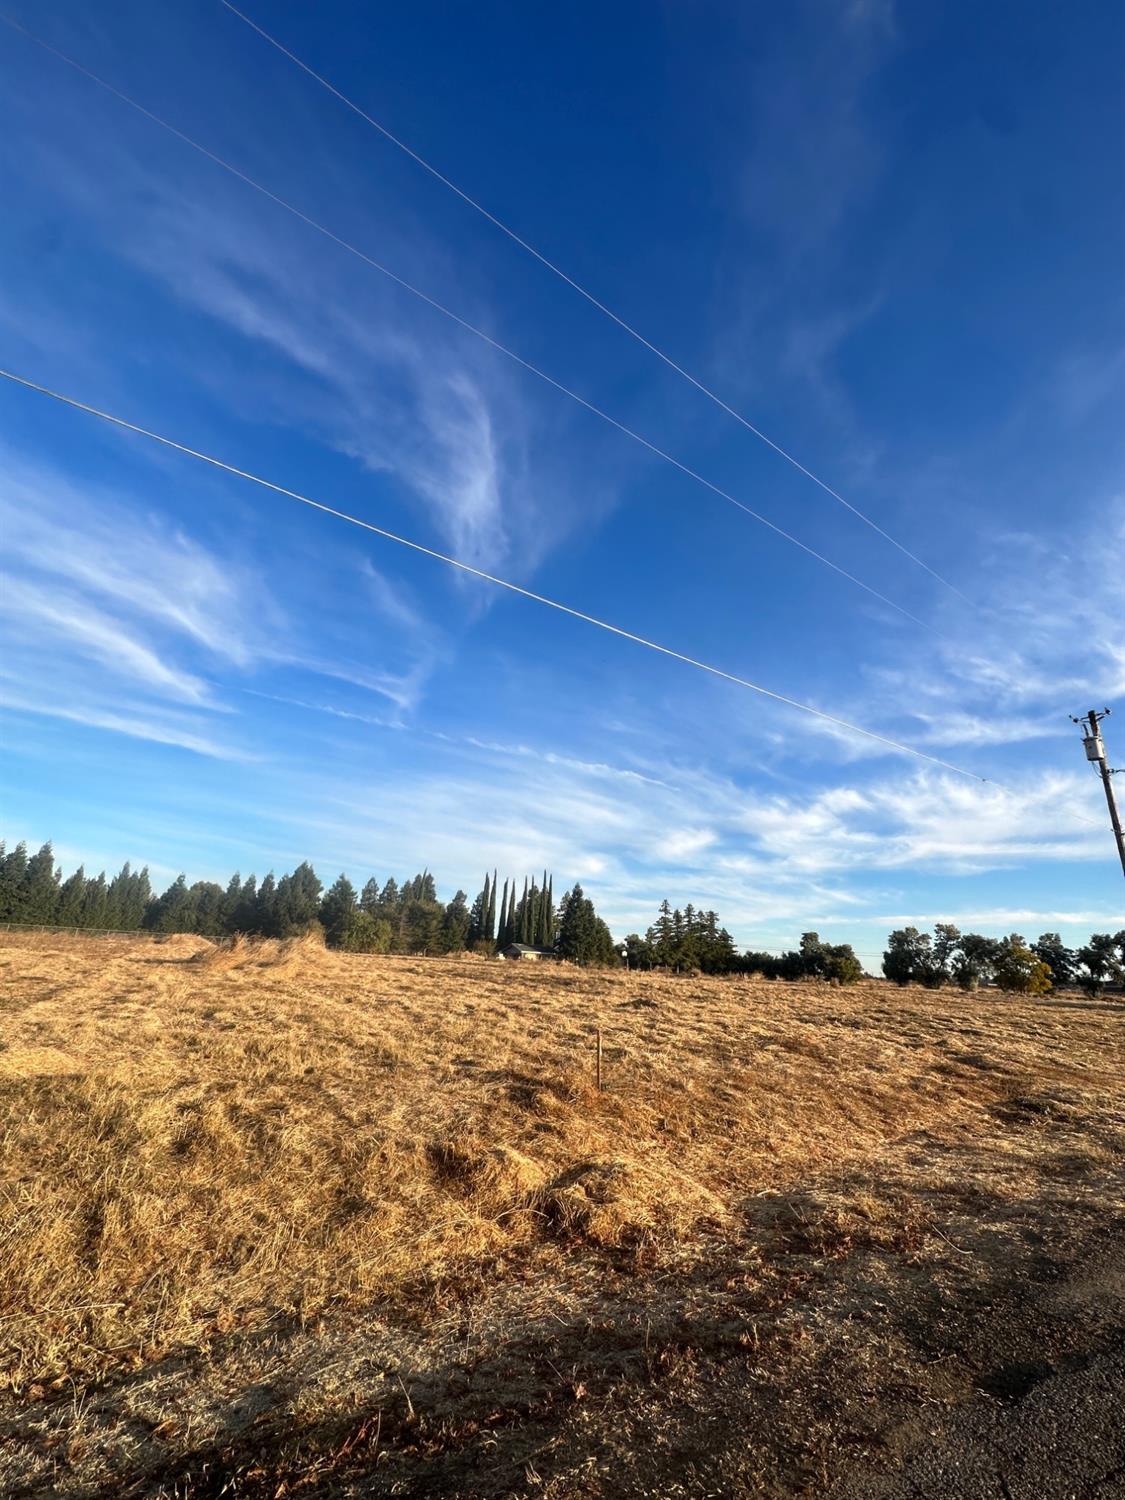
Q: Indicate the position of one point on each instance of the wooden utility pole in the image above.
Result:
(1095, 752)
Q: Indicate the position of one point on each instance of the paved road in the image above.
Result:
(1064, 1439)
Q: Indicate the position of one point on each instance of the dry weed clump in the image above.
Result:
(240, 951)
(197, 1138)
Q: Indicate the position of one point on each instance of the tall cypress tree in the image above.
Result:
(486, 900)
(490, 919)
(502, 938)
(524, 926)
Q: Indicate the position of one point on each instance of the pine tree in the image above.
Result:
(369, 899)
(208, 908)
(390, 899)
(337, 912)
(583, 936)
(265, 912)
(245, 916)
(455, 924)
(298, 901)
(476, 920)
(233, 901)
(663, 936)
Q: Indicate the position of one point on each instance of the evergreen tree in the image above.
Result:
(390, 899)
(12, 870)
(171, 911)
(298, 901)
(266, 921)
(39, 887)
(129, 896)
(72, 896)
(369, 898)
(455, 923)
(502, 938)
(94, 903)
(208, 909)
(246, 915)
(638, 950)
(663, 938)
(233, 901)
(477, 912)
(366, 933)
(487, 910)
(525, 915)
(337, 912)
(583, 936)
(420, 924)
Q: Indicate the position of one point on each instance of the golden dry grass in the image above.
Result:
(199, 1141)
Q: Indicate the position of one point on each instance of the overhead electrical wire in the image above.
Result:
(468, 568)
(460, 321)
(582, 291)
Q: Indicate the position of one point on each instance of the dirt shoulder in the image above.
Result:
(984, 1350)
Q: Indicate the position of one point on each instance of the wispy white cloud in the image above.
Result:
(394, 602)
(83, 535)
(139, 724)
(32, 615)
(425, 407)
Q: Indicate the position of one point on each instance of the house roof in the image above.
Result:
(525, 948)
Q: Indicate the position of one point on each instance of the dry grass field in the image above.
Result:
(276, 1221)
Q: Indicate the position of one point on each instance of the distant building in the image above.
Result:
(525, 951)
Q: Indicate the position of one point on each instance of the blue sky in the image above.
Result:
(891, 236)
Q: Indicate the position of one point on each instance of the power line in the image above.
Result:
(461, 322)
(464, 567)
(589, 296)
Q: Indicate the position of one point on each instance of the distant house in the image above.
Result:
(525, 951)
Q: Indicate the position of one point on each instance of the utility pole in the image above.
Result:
(1095, 751)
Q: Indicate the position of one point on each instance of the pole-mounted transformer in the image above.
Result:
(1094, 745)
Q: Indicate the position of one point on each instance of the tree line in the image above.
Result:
(970, 960)
(694, 941)
(387, 918)
(410, 918)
